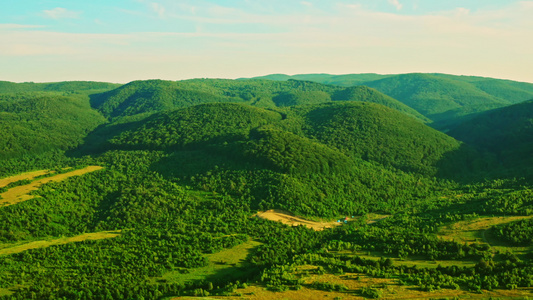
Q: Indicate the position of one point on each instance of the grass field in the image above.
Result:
(478, 231)
(22, 193)
(7, 249)
(390, 289)
(29, 176)
(224, 264)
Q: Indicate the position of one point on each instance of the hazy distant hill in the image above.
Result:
(342, 80)
(157, 95)
(65, 86)
(445, 99)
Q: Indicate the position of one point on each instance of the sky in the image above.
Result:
(124, 40)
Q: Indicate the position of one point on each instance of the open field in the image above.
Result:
(7, 249)
(21, 193)
(354, 282)
(472, 231)
(29, 175)
(224, 264)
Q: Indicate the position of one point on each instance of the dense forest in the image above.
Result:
(187, 165)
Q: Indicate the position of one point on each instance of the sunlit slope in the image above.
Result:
(377, 133)
(445, 99)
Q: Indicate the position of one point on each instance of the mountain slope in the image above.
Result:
(65, 86)
(33, 123)
(445, 99)
(507, 132)
(377, 133)
(156, 95)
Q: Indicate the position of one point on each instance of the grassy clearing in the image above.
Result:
(420, 263)
(29, 176)
(478, 231)
(224, 264)
(7, 249)
(354, 282)
(22, 193)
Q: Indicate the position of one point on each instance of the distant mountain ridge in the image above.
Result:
(445, 99)
(154, 95)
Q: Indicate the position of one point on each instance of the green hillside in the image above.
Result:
(377, 133)
(445, 99)
(206, 123)
(346, 80)
(66, 86)
(37, 122)
(507, 132)
(157, 95)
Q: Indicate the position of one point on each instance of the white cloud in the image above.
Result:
(305, 3)
(396, 4)
(158, 8)
(61, 13)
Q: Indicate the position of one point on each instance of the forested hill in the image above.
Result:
(65, 86)
(37, 122)
(182, 170)
(156, 95)
(445, 99)
(507, 132)
(360, 130)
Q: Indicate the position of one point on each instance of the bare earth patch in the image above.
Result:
(17, 248)
(21, 193)
(290, 219)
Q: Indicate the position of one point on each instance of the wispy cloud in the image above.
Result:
(396, 4)
(19, 26)
(61, 13)
(158, 9)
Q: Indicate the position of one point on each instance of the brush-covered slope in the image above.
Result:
(507, 131)
(32, 123)
(156, 95)
(377, 133)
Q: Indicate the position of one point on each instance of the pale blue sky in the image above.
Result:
(124, 40)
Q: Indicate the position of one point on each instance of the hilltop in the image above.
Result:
(445, 99)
